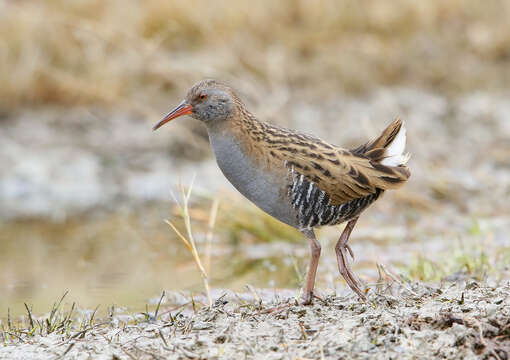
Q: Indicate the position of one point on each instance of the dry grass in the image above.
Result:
(190, 240)
(127, 53)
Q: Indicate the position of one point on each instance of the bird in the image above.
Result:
(299, 179)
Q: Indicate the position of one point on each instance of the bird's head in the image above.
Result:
(208, 101)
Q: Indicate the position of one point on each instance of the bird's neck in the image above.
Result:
(241, 125)
(244, 129)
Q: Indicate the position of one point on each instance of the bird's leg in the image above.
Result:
(341, 249)
(315, 246)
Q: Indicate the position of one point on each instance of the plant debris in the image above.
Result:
(404, 321)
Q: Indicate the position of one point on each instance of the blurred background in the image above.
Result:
(85, 185)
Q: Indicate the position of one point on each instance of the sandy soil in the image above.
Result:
(453, 320)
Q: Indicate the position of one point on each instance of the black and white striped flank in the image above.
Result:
(313, 206)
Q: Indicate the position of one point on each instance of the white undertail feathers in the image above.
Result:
(394, 154)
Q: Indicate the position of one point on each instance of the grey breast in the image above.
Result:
(264, 189)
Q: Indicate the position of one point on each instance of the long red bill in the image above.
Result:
(181, 109)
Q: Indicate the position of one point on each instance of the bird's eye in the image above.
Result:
(203, 96)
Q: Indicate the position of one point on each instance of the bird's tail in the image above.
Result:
(389, 148)
(387, 154)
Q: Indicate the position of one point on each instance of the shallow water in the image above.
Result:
(115, 259)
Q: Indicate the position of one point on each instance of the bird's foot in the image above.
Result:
(306, 298)
(359, 292)
(346, 271)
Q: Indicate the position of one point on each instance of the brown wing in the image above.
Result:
(345, 176)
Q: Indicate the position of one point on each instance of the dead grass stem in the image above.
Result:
(210, 233)
(190, 240)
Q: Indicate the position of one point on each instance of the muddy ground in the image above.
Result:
(463, 319)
